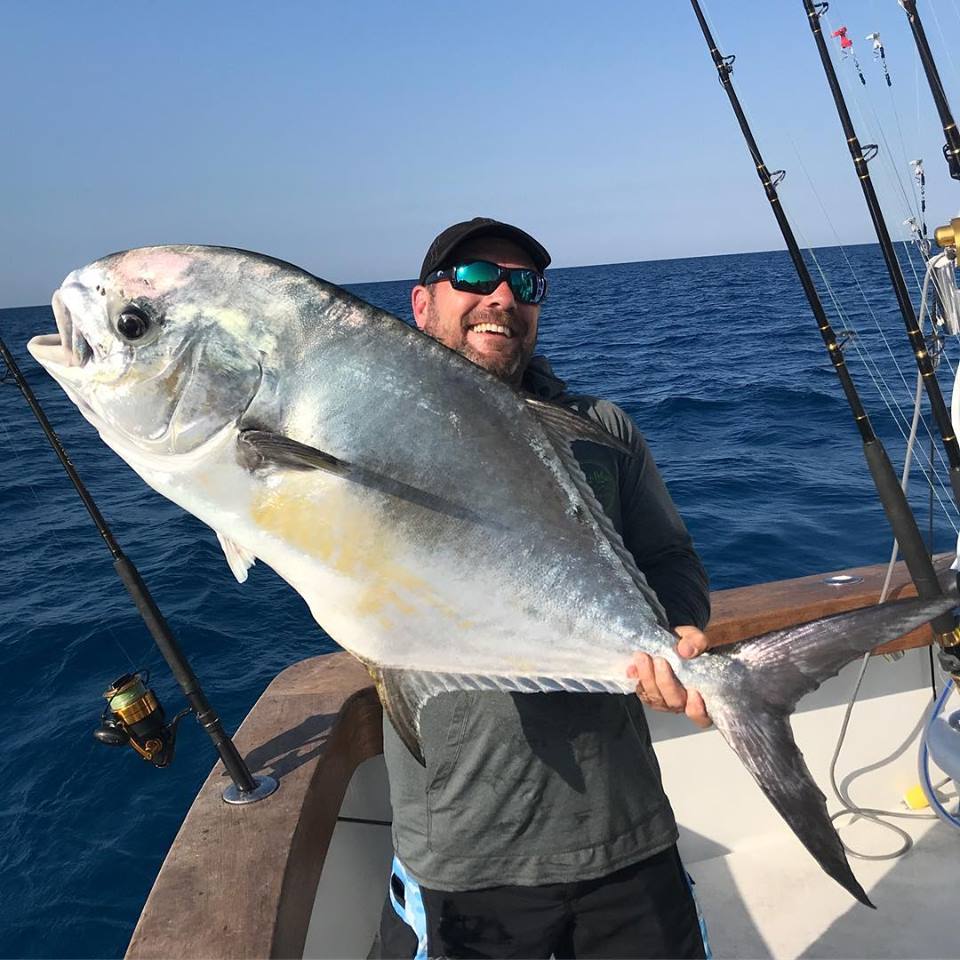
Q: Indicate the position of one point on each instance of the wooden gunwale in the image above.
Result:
(241, 881)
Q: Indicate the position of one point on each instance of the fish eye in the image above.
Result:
(133, 323)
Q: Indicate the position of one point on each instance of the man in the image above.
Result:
(539, 826)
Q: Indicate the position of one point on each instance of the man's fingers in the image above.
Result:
(671, 690)
(696, 710)
(691, 641)
(647, 689)
(657, 686)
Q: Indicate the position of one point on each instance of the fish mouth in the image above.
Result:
(67, 347)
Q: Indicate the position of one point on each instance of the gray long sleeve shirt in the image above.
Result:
(532, 789)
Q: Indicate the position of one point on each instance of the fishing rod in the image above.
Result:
(133, 715)
(949, 235)
(951, 149)
(891, 494)
(860, 156)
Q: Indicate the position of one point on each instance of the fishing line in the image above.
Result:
(871, 365)
(904, 481)
(908, 458)
(902, 417)
(836, 302)
(897, 415)
(850, 267)
(884, 390)
(850, 808)
(943, 40)
(890, 170)
(65, 554)
(888, 165)
(896, 412)
(743, 106)
(895, 504)
(916, 87)
(873, 370)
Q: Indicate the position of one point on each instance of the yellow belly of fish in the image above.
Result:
(323, 518)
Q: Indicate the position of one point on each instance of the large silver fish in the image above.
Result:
(434, 519)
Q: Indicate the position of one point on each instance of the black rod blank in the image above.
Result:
(917, 343)
(891, 494)
(59, 450)
(159, 628)
(951, 149)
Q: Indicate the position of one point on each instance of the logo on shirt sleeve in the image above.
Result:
(604, 485)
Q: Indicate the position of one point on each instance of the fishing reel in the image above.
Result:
(133, 716)
(948, 235)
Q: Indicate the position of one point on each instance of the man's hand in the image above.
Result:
(657, 685)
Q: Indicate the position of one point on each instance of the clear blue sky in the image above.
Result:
(343, 136)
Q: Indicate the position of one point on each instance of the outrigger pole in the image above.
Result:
(861, 156)
(246, 788)
(891, 494)
(951, 149)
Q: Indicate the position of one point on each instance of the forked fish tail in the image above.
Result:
(781, 667)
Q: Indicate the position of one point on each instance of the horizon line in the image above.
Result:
(576, 266)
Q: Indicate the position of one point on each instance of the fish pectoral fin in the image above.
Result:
(566, 426)
(761, 737)
(402, 695)
(260, 448)
(239, 559)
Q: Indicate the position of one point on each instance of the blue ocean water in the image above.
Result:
(719, 361)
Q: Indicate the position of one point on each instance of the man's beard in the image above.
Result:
(505, 367)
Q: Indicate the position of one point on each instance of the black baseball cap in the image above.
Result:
(451, 238)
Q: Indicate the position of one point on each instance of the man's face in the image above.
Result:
(495, 331)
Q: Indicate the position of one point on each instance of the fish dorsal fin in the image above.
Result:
(239, 559)
(403, 693)
(563, 427)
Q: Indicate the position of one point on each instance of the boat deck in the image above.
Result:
(760, 891)
(290, 877)
(768, 899)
